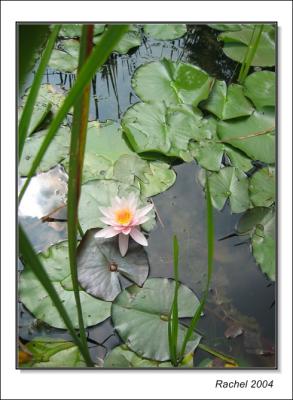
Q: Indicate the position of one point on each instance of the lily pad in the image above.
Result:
(262, 187)
(37, 301)
(129, 168)
(250, 219)
(227, 102)
(235, 45)
(40, 112)
(229, 183)
(74, 30)
(100, 265)
(65, 58)
(171, 82)
(140, 316)
(56, 152)
(99, 193)
(129, 40)
(158, 128)
(51, 94)
(165, 31)
(254, 135)
(260, 88)
(161, 178)
(238, 159)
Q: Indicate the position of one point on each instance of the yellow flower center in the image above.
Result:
(123, 216)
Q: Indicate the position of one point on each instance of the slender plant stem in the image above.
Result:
(217, 354)
(210, 241)
(77, 146)
(33, 93)
(96, 60)
(32, 260)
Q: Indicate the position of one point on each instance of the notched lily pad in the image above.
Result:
(227, 102)
(260, 88)
(171, 82)
(262, 187)
(129, 40)
(229, 183)
(37, 301)
(165, 31)
(100, 265)
(140, 316)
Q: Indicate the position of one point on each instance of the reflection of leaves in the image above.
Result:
(36, 299)
(229, 183)
(227, 102)
(171, 82)
(165, 31)
(100, 265)
(253, 135)
(262, 187)
(140, 316)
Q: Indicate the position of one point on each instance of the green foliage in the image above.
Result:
(65, 58)
(262, 187)
(165, 31)
(260, 88)
(130, 39)
(95, 258)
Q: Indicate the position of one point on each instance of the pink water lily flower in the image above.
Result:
(124, 218)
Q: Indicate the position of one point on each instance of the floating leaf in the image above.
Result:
(171, 82)
(260, 88)
(253, 135)
(161, 178)
(57, 151)
(51, 94)
(37, 301)
(40, 112)
(74, 30)
(229, 183)
(140, 316)
(130, 167)
(130, 39)
(100, 193)
(158, 128)
(100, 265)
(250, 219)
(227, 102)
(262, 187)
(122, 357)
(65, 58)
(238, 159)
(235, 45)
(165, 31)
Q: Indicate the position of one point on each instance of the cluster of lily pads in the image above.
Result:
(184, 115)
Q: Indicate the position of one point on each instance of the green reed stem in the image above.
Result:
(217, 354)
(77, 146)
(250, 53)
(33, 93)
(32, 260)
(97, 58)
(210, 242)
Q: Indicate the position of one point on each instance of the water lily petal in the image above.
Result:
(138, 237)
(142, 220)
(123, 243)
(107, 220)
(143, 211)
(107, 232)
(132, 202)
(126, 230)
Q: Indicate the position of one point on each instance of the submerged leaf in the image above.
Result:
(254, 135)
(37, 301)
(140, 316)
(262, 187)
(229, 183)
(165, 31)
(260, 88)
(100, 265)
(171, 82)
(227, 102)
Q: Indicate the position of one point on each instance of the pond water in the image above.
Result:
(239, 317)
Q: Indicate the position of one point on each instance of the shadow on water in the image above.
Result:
(239, 317)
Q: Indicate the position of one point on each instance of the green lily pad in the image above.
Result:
(37, 301)
(56, 152)
(100, 193)
(171, 82)
(140, 316)
(238, 159)
(100, 265)
(254, 135)
(250, 219)
(229, 183)
(40, 112)
(165, 31)
(260, 88)
(129, 40)
(74, 30)
(158, 128)
(235, 45)
(262, 187)
(161, 178)
(130, 167)
(65, 58)
(51, 94)
(227, 102)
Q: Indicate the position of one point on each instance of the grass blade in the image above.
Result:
(210, 242)
(77, 146)
(33, 93)
(217, 354)
(97, 59)
(31, 259)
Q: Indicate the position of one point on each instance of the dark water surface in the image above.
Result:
(239, 317)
